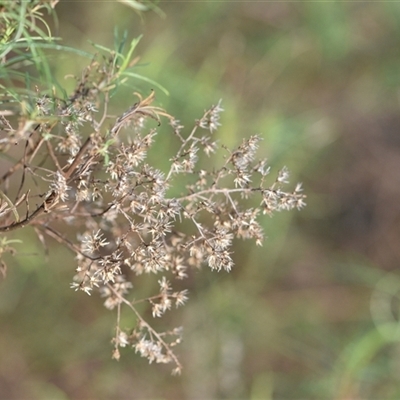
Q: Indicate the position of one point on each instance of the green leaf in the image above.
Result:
(128, 57)
(143, 78)
(135, 5)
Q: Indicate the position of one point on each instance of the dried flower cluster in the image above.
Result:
(82, 177)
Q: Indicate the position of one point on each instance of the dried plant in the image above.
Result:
(81, 176)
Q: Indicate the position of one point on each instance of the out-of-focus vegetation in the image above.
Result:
(314, 313)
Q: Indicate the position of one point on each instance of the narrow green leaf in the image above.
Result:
(132, 47)
(135, 5)
(100, 47)
(143, 78)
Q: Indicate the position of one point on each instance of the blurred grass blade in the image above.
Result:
(143, 7)
(143, 78)
(135, 5)
(120, 44)
(128, 57)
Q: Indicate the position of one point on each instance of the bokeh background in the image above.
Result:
(313, 314)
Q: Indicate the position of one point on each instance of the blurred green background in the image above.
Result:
(313, 314)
